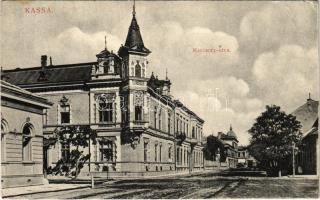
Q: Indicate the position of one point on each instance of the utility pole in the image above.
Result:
(293, 160)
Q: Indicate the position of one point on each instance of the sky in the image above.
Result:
(269, 56)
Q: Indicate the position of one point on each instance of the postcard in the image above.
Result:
(159, 99)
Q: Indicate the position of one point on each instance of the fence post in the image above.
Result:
(92, 181)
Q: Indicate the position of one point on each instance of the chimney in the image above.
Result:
(219, 135)
(43, 61)
(50, 61)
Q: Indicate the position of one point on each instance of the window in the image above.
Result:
(156, 152)
(177, 125)
(138, 113)
(26, 142)
(178, 155)
(106, 112)
(181, 156)
(193, 132)
(65, 114)
(107, 150)
(4, 130)
(160, 150)
(183, 126)
(65, 151)
(187, 161)
(143, 69)
(159, 119)
(3, 146)
(169, 152)
(145, 150)
(138, 70)
(155, 117)
(169, 123)
(187, 130)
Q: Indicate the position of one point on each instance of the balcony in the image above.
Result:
(138, 125)
(193, 141)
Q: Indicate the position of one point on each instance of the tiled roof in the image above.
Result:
(19, 92)
(51, 74)
(307, 114)
(134, 40)
(231, 133)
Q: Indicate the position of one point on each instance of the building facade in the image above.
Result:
(141, 128)
(245, 159)
(307, 114)
(230, 141)
(21, 136)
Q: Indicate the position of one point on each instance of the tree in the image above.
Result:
(273, 135)
(213, 147)
(77, 138)
(180, 137)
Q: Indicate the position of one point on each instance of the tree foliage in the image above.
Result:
(180, 137)
(78, 137)
(214, 147)
(273, 136)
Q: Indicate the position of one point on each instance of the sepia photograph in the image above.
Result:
(157, 99)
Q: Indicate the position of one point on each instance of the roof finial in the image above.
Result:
(309, 95)
(105, 42)
(230, 127)
(166, 73)
(134, 8)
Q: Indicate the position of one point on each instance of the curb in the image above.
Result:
(48, 191)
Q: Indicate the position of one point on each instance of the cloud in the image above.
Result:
(221, 102)
(287, 75)
(272, 58)
(75, 46)
(279, 23)
(172, 47)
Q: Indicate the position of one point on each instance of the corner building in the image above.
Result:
(142, 130)
(21, 137)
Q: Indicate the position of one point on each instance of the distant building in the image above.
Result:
(230, 141)
(21, 136)
(141, 128)
(307, 114)
(245, 158)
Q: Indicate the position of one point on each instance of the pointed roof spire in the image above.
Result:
(167, 74)
(134, 40)
(105, 42)
(134, 8)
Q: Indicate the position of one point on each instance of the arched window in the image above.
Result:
(26, 142)
(138, 70)
(4, 130)
(160, 119)
(138, 113)
(169, 122)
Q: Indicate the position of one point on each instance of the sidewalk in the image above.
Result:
(303, 177)
(12, 192)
